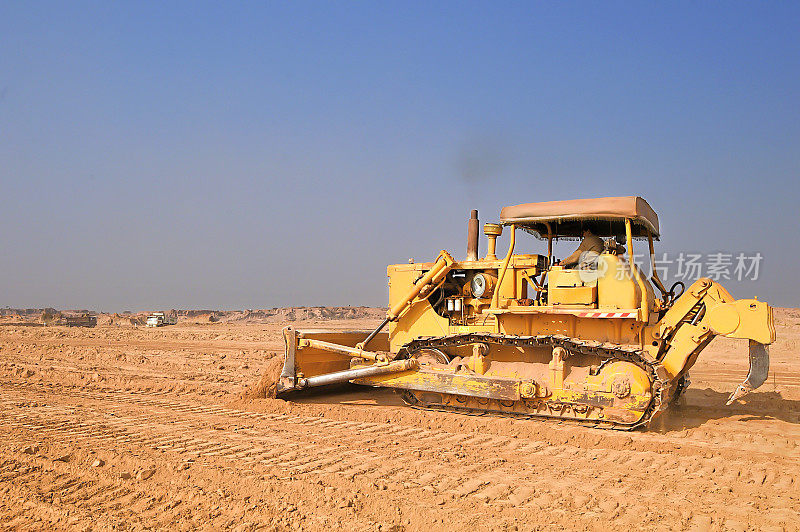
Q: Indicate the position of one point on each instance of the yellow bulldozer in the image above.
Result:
(525, 336)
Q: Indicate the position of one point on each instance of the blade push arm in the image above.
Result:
(443, 264)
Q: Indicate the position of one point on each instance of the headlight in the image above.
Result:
(482, 285)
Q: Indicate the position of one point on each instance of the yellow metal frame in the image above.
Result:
(671, 338)
(504, 267)
(635, 274)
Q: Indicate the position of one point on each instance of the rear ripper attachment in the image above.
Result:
(526, 336)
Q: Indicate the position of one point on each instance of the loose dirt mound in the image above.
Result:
(138, 320)
(267, 384)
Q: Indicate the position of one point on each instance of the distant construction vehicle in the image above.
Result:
(522, 336)
(160, 319)
(83, 319)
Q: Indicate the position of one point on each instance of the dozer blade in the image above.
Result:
(759, 370)
(321, 357)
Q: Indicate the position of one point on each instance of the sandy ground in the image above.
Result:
(129, 428)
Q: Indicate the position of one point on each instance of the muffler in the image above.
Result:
(472, 236)
(759, 371)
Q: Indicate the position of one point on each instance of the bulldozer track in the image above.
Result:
(607, 352)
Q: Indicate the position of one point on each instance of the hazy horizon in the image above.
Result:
(235, 156)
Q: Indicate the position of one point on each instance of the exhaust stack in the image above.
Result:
(472, 235)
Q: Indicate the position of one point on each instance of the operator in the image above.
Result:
(586, 254)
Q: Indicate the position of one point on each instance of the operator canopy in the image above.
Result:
(567, 219)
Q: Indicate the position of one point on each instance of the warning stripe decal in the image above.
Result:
(606, 314)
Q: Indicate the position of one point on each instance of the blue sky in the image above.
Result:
(243, 155)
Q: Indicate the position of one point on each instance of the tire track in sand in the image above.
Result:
(494, 470)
